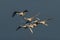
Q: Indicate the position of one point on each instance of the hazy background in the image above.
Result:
(8, 24)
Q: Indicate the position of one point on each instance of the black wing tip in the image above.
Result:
(14, 13)
(50, 19)
(18, 28)
(25, 10)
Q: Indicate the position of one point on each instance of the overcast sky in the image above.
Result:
(47, 8)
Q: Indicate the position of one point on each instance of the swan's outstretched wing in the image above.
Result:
(25, 11)
(14, 14)
(48, 18)
(18, 28)
(37, 18)
(31, 30)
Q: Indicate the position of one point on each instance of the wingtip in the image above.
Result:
(25, 10)
(18, 28)
(14, 13)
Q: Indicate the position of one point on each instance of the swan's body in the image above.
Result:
(30, 19)
(30, 26)
(44, 23)
(19, 13)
